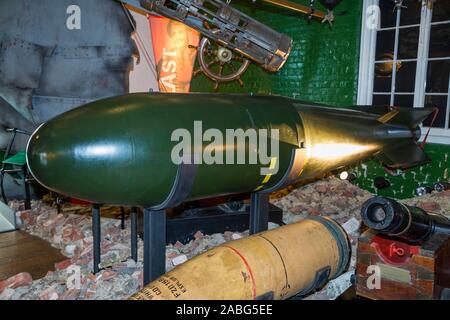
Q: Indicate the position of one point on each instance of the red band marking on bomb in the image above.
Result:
(248, 269)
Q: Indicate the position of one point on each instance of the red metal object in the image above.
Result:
(393, 252)
(80, 202)
(436, 112)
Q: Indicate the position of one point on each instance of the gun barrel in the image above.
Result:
(399, 220)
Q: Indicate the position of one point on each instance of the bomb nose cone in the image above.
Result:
(72, 159)
(43, 157)
(95, 154)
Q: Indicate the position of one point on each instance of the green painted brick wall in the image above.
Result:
(403, 186)
(323, 67)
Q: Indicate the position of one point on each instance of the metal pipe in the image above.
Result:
(395, 219)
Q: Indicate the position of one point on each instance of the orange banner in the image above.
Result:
(173, 55)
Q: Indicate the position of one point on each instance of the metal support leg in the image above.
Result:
(27, 188)
(154, 244)
(122, 218)
(134, 234)
(259, 212)
(96, 232)
(2, 187)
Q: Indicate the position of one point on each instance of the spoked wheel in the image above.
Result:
(220, 64)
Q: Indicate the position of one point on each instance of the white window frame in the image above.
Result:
(367, 63)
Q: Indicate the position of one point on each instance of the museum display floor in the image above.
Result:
(20, 251)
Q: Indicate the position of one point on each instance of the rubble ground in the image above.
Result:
(121, 276)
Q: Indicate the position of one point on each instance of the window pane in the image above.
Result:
(383, 77)
(437, 76)
(408, 40)
(387, 13)
(406, 77)
(385, 43)
(406, 101)
(440, 41)
(410, 14)
(441, 10)
(439, 102)
(381, 100)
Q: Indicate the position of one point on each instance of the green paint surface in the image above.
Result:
(323, 68)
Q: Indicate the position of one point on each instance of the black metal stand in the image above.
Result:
(154, 244)
(2, 188)
(259, 205)
(122, 218)
(134, 234)
(96, 232)
(26, 186)
(259, 212)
